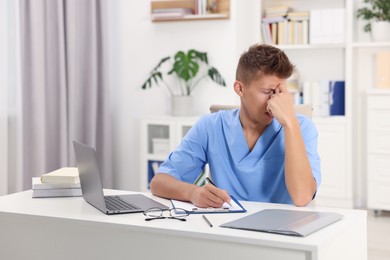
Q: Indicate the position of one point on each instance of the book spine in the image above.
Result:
(56, 193)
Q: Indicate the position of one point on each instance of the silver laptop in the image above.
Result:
(92, 190)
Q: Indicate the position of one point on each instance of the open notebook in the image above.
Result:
(285, 222)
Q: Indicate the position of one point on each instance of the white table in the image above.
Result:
(70, 228)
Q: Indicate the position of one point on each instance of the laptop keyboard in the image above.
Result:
(115, 203)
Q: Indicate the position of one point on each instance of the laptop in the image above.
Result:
(92, 190)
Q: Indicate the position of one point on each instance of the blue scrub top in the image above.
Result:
(257, 175)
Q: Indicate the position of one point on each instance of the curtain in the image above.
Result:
(63, 93)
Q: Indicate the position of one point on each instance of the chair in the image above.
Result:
(305, 109)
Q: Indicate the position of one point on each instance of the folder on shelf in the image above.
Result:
(236, 207)
(285, 222)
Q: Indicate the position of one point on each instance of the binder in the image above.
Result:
(285, 222)
(337, 98)
(236, 207)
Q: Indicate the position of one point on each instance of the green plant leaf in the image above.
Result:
(185, 66)
(216, 76)
(163, 60)
(156, 76)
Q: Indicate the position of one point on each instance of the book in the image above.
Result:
(337, 98)
(68, 175)
(37, 184)
(383, 69)
(52, 193)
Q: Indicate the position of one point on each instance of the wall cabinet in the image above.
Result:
(335, 188)
(378, 150)
(159, 136)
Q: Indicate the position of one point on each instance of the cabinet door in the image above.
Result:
(332, 149)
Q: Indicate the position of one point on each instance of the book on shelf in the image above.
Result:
(170, 13)
(290, 29)
(281, 10)
(327, 26)
(383, 69)
(68, 175)
(327, 97)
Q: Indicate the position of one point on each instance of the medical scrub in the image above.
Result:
(257, 175)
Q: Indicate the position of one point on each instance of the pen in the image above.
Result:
(212, 183)
(207, 221)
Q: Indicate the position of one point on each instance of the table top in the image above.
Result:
(76, 209)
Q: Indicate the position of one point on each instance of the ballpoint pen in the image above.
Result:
(207, 221)
(212, 183)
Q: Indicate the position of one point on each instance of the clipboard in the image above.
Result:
(285, 222)
(236, 207)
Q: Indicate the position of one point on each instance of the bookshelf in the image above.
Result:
(188, 10)
(159, 136)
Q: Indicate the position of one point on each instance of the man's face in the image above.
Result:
(255, 96)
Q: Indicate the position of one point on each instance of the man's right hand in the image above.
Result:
(209, 196)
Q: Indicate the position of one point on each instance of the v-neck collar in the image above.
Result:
(237, 143)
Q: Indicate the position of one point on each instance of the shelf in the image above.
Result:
(193, 17)
(370, 44)
(311, 46)
(334, 120)
(156, 157)
(181, 8)
(376, 91)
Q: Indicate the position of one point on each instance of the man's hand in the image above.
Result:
(280, 105)
(209, 196)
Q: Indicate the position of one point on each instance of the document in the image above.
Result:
(285, 222)
(236, 207)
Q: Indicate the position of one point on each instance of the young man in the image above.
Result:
(260, 152)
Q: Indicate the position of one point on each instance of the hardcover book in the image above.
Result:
(68, 175)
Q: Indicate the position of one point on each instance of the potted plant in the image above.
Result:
(189, 69)
(377, 12)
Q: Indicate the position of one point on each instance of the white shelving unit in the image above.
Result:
(378, 149)
(159, 136)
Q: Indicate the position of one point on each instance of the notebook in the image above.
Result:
(92, 190)
(235, 207)
(285, 222)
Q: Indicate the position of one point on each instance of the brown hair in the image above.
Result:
(263, 58)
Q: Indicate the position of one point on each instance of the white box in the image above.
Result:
(160, 146)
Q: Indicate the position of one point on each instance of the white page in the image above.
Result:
(191, 207)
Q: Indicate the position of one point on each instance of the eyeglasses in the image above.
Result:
(158, 213)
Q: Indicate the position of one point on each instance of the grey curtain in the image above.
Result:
(64, 88)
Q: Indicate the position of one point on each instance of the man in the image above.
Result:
(260, 152)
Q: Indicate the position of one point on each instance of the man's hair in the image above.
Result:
(265, 59)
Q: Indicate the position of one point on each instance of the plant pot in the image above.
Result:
(182, 105)
(380, 31)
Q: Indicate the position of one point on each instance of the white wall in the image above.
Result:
(137, 45)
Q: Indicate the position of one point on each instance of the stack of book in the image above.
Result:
(283, 26)
(63, 182)
(170, 13)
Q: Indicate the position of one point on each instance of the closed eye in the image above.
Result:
(269, 92)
